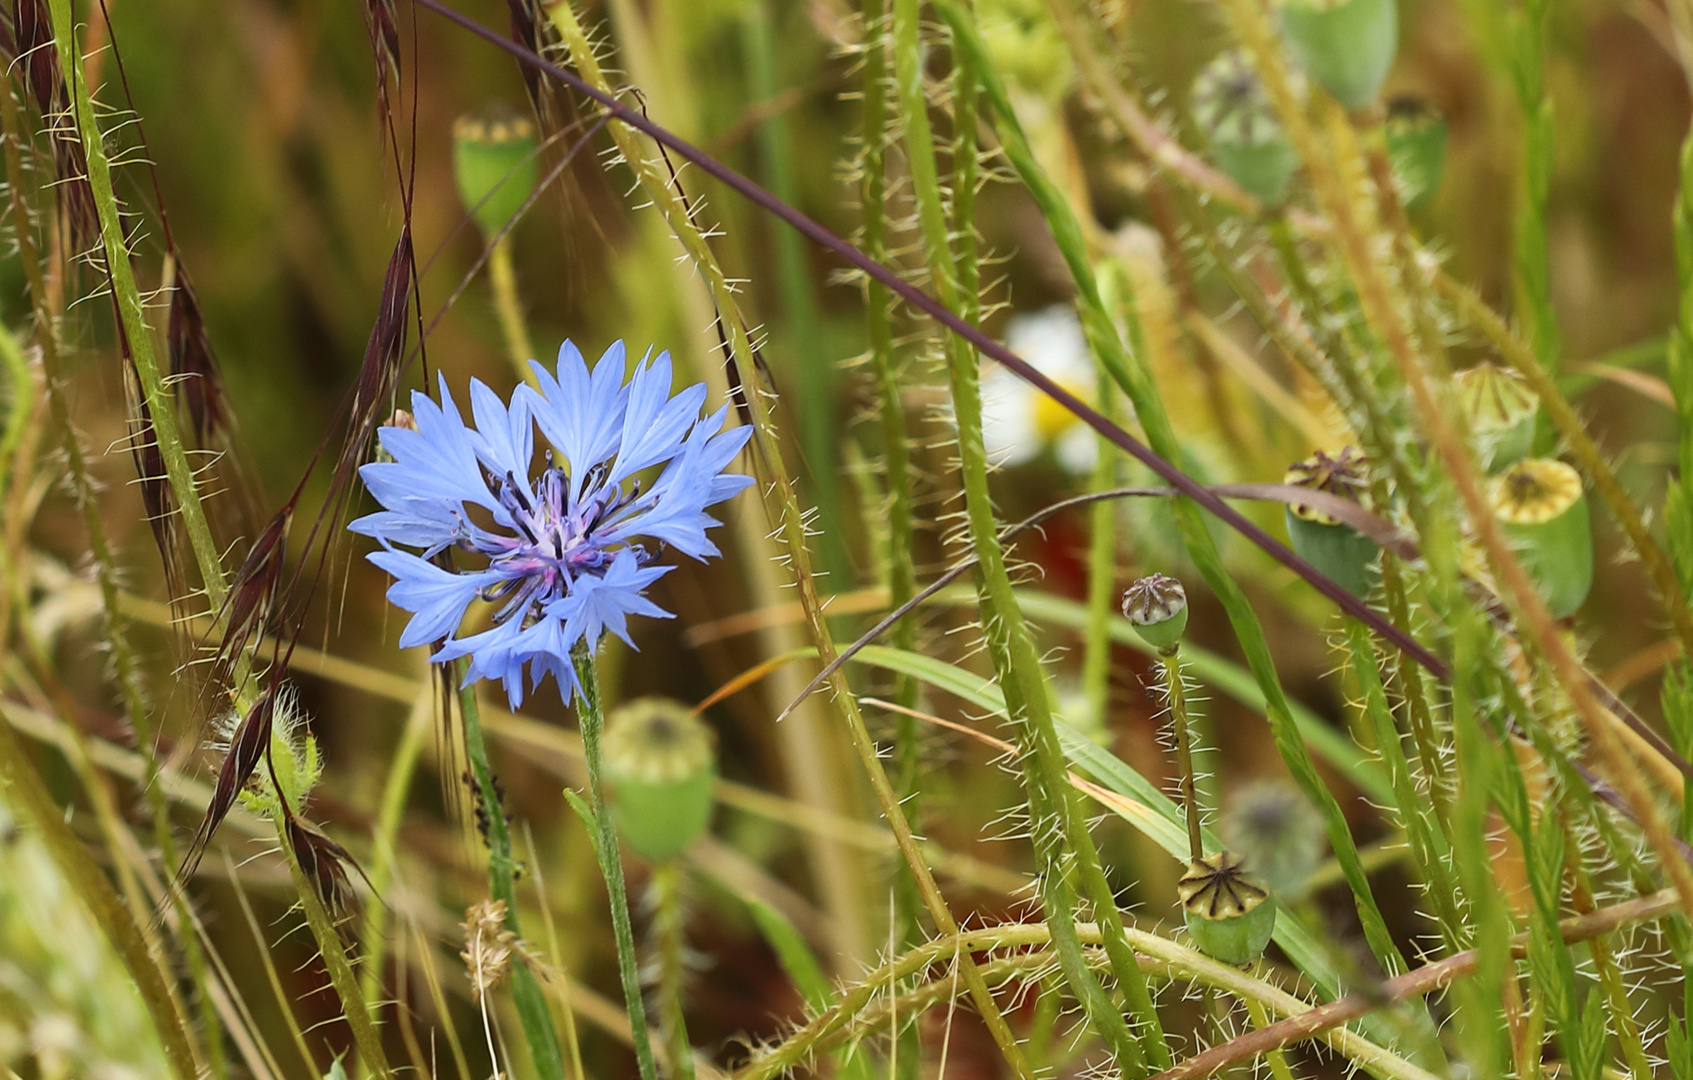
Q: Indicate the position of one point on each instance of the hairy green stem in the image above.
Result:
(531, 1002)
(591, 720)
(1175, 699)
(1058, 828)
(1136, 381)
(668, 927)
(788, 521)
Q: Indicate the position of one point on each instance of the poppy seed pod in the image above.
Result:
(1346, 45)
(496, 167)
(1339, 551)
(1228, 913)
(1157, 606)
(1273, 820)
(1416, 147)
(1247, 142)
(661, 768)
(1544, 511)
(1500, 411)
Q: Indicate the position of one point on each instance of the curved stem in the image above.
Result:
(1175, 694)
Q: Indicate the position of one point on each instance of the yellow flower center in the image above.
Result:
(1051, 418)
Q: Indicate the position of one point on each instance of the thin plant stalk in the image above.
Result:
(788, 521)
(532, 1010)
(1057, 826)
(508, 308)
(26, 793)
(672, 967)
(1175, 698)
(591, 721)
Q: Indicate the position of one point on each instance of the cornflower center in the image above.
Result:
(557, 537)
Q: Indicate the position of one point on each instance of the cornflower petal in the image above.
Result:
(436, 598)
(656, 422)
(580, 413)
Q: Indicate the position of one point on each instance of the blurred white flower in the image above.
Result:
(1018, 421)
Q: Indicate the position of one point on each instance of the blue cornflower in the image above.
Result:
(568, 554)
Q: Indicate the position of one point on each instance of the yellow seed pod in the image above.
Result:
(1541, 504)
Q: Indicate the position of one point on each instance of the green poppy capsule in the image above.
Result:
(1542, 506)
(1346, 45)
(1416, 147)
(1247, 142)
(1228, 913)
(1340, 552)
(495, 164)
(1157, 606)
(1500, 411)
(661, 768)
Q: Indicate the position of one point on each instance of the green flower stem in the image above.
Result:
(1175, 697)
(327, 935)
(788, 520)
(1261, 1018)
(127, 297)
(1149, 409)
(1058, 828)
(508, 307)
(532, 1009)
(25, 792)
(668, 926)
(592, 722)
(130, 680)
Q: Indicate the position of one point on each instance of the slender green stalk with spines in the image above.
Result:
(526, 993)
(788, 520)
(1429, 849)
(1149, 409)
(598, 815)
(1326, 166)
(897, 556)
(813, 373)
(1532, 259)
(1175, 703)
(1058, 829)
(672, 967)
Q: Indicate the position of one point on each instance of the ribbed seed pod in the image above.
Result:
(661, 767)
(1157, 606)
(1544, 511)
(494, 159)
(1228, 913)
(1341, 552)
(1500, 411)
(1247, 142)
(1416, 146)
(1346, 45)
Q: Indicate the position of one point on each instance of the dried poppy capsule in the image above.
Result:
(661, 768)
(1247, 142)
(1416, 147)
(1341, 552)
(1346, 45)
(1157, 606)
(1500, 411)
(495, 164)
(1228, 913)
(1544, 511)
